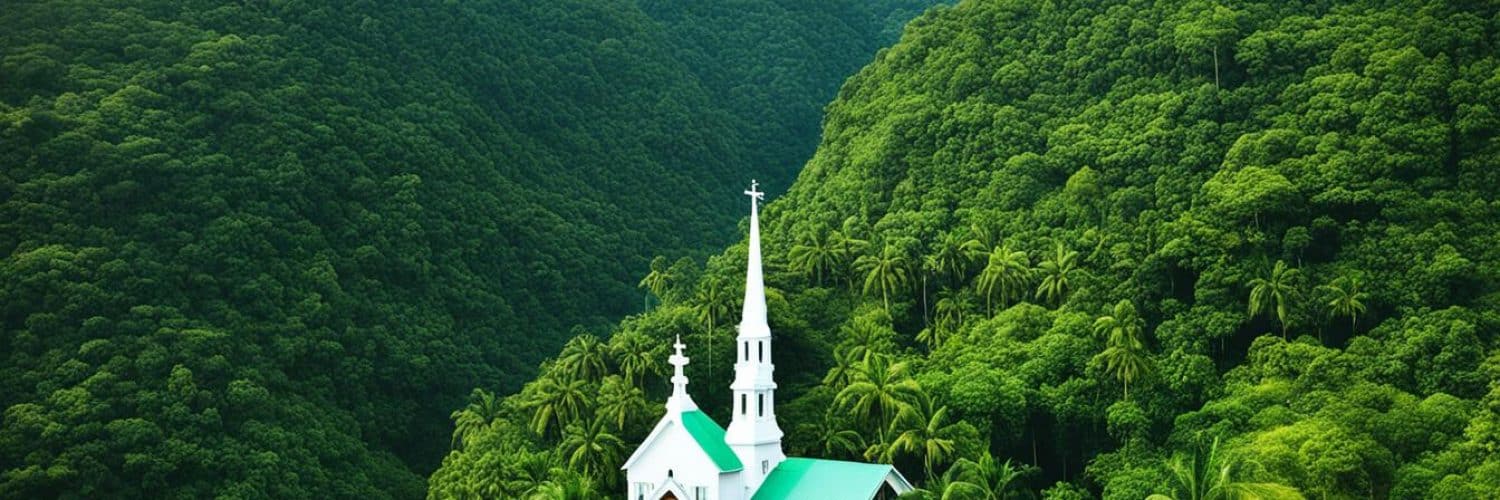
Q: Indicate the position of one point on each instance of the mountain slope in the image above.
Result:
(1110, 239)
(263, 248)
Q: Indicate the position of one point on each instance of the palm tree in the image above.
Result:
(1007, 272)
(847, 250)
(592, 450)
(658, 279)
(1207, 475)
(620, 401)
(526, 473)
(932, 337)
(556, 402)
(950, 313)
(834, 441)
(816, 254)
(921, 429)
(567, 485)
(1123, 327)
(1276, 291)
(886, 272)
(1127, 363)
(950, 259)
(636, 355)
(714, 302)
(1055, 273)
(482, 409)
(943, 487)
(987, 478)
(982, 240)
(1345, 299)
(842, 372)
(584, 357)
(1125, 341)
(878, 390)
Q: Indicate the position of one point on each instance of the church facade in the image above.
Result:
(688, 456)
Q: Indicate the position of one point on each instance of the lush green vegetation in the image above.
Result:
(264, 248)
(1188, 249)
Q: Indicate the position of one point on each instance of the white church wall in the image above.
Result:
(676, 451)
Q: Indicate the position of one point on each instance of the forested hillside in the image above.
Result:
(263, 248)
(1081, 250)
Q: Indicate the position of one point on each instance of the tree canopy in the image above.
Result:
(1276, 222)
(265, 248)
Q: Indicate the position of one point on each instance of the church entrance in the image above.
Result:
(669, 496)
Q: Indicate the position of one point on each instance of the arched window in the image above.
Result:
(746, 350)
(760, 404)
(760, 350)
(744, 407)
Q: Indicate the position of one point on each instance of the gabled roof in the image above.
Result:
(710, 438)
(829, 480)
(704, 431)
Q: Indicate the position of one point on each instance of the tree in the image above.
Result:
(584, 357)
(592, 450)
(879, 389)
(886, 272)
(482, 409)
(555, 403)
(817, 254)
(950, 259)
(1055, 271)
(1207, 27)
(1345, 299)
(1205, 474)
(922, 430)
(842, 372)
(567, 485)
(982, 241)
(1276, 293)
(658, 279)
(987, 478)
(620, 402)
(714, 302)
(950, 318)
(1127, 363)
(1124, 355)
(636, 355)
(1123, 326)
(1006, 272)
(848, 250)
(834, 441)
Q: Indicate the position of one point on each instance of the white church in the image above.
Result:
(688, 456)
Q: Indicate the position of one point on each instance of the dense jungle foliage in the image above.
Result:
(1101, 249)
(263, 248)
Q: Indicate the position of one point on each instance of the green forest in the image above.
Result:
(1067, 250)
(263, 248)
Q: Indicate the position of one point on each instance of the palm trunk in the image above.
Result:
(885, 297)
(924, 301)
(1216, 66)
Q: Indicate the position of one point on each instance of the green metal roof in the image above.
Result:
(823, 479)
(710, 438)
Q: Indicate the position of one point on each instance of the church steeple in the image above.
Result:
(680, 401)
(753, 315)
(753, 433)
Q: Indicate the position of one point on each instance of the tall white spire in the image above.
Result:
(680, 401)
(754, 314)
(753, 433)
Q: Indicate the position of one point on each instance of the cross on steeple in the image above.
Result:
(680, 400)
(753, 193)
